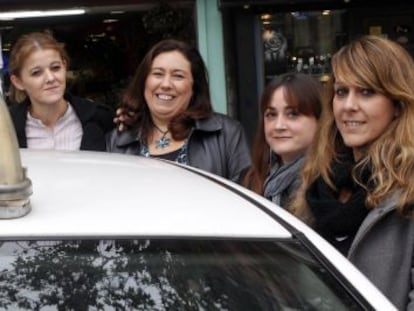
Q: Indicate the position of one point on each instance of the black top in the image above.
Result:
(172, 156)
(96, 120)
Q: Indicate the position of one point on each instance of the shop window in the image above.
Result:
(301, 41)
(106, 45)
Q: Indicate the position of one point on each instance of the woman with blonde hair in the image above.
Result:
(357, 188)
(44, 113)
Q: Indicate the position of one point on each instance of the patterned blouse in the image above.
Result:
(180, 158)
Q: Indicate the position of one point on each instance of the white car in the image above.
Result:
(118, 232)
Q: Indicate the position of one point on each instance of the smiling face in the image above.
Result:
(361, 115)
(168, 86)
(42, 77)
(287, 131)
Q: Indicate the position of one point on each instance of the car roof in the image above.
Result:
(101, 194)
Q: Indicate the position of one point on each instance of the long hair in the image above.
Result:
(200, 105)
(23, 48)
(301, 91)
(387, 68)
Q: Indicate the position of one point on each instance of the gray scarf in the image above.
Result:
(282, 181)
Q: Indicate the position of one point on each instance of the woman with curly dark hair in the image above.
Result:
(173, 115)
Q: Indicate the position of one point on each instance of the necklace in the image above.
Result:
(163, 142)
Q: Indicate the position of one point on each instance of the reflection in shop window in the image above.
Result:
(300, 41)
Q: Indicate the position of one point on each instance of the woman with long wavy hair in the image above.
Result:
(173, 117)
(357, 188)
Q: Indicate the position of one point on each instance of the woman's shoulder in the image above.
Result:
(88, 104)
(218, 121)
(225, 118)
(18, 114)
(122, 141)
(16, 108)
(89, 110)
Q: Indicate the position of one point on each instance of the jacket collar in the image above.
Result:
(19, 116)
(83, 112)
(375, 214)
(127, 137)
(211, 124)
(389, 204)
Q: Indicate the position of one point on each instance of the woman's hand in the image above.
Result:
(124, 119)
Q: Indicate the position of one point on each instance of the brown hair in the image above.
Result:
(387, 68)
(200, 105)
(301, 91)
(23, 48)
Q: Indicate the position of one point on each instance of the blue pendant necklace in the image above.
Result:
(163, 142)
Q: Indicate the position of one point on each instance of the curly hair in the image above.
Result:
(200, 105)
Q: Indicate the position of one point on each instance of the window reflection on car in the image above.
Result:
(166, 274)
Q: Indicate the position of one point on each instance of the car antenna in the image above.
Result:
(15, 187)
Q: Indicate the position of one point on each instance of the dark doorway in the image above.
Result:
(106, 44)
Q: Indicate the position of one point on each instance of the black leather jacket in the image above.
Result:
(217, 145)
(96, 120)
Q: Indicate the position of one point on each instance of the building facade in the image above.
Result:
(264, 38)
(105, 40)
(244, 43)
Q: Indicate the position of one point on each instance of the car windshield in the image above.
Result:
(166, 274)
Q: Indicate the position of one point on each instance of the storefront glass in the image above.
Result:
(302, 41)
(105, 45)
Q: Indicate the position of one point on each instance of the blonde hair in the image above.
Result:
(23, 48)
(387, 68)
